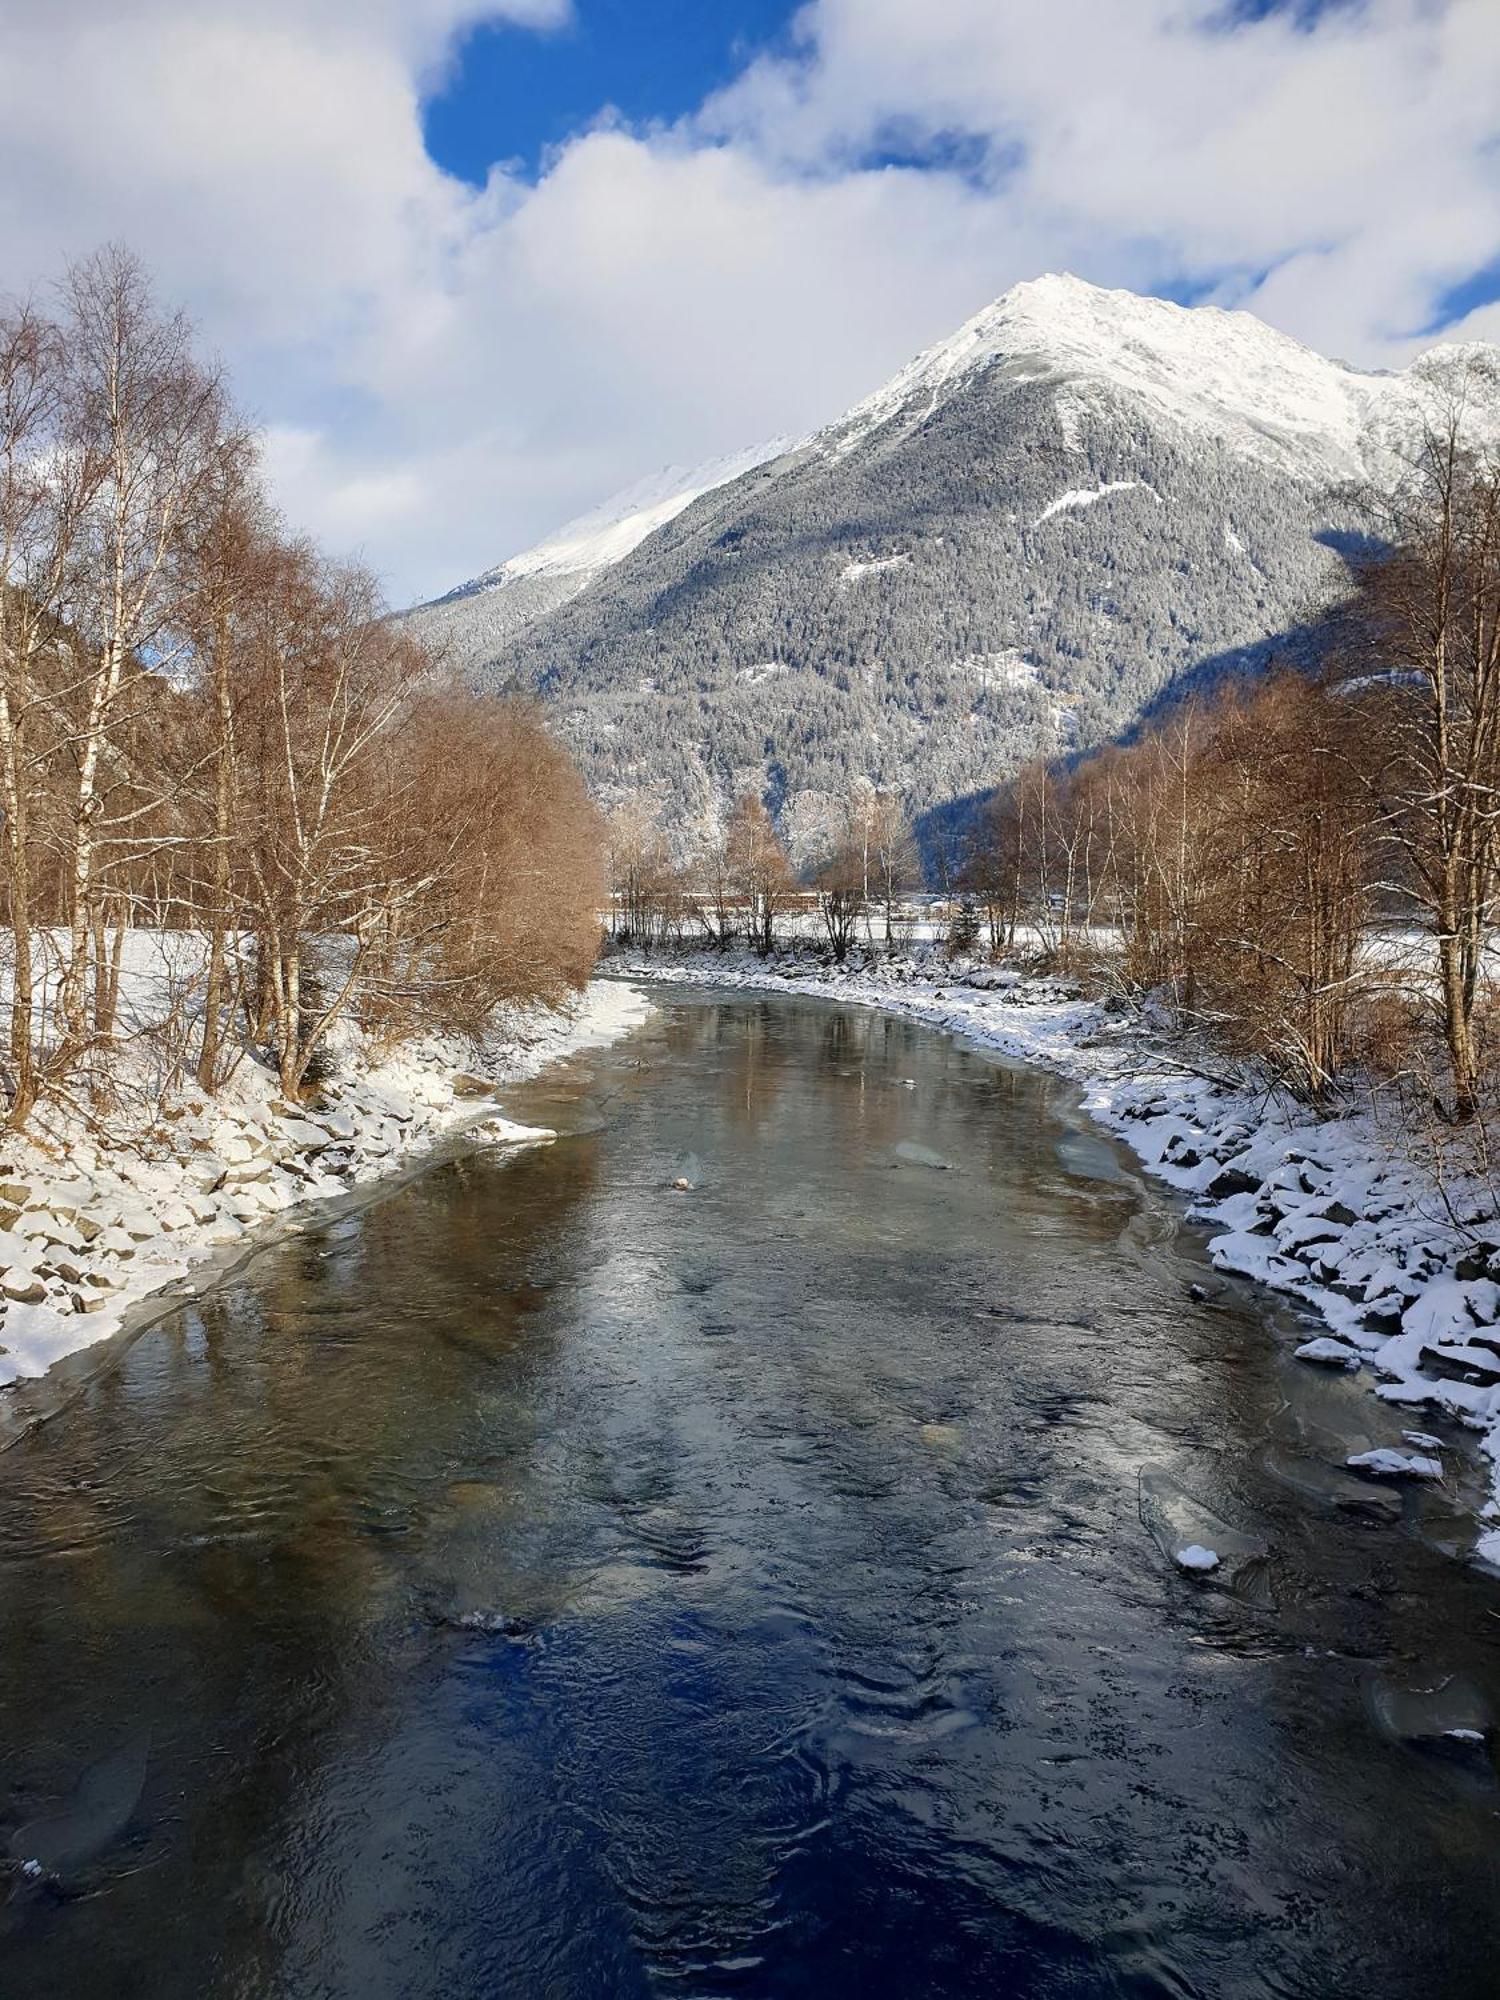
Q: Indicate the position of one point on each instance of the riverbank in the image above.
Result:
(98, 1212)
(1393, 1259)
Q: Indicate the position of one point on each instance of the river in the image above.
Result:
(552, 1580)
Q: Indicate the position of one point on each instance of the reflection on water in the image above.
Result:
(559, 1580)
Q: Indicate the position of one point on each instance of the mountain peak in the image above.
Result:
(1207, 367)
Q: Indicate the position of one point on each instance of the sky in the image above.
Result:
(475, 264)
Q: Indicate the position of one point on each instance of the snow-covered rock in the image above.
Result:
(1384, 1463)
(83, 1250)
(1329, 1353)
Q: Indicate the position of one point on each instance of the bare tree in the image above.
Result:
(1427, 625)
(759, 867)
(840, 884)
(39, 508)
(141, 420)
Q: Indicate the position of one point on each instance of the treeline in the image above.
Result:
(1307, 866)
(209, 727)
(740, 883)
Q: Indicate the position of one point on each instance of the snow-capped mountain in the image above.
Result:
(469, 622)
(1015, 546)
(1224, 374)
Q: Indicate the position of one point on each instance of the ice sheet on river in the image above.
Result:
(1194, 1538)
(59, 1845)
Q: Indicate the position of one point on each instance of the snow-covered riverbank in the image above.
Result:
(1396, 1270)
(97, 1215)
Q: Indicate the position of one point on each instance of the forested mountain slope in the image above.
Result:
(1015, 547)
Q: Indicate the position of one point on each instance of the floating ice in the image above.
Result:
(1198, 1540)
(1196, 1557)
(1449, 1709)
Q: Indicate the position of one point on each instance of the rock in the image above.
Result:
(1329, 1353)
(175, 1214)
(24, 1287)
(41, 1225)
(305, 1135)
(472, 1086)
(1384, 1315)
(70, 1274)
(684, 1185)
(117, 1242)
(1340, 1214)
(88, 1302)
(1461, 1361)
(89, 1227)
(1483, 1261)
(15, 1194)
(1383, 1463)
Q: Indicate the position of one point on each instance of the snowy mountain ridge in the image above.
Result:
(1203, 367)
(593, 541)
(1111, 496)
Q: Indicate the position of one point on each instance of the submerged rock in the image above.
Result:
(100, 1809)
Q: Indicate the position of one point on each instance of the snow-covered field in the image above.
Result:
(1395, 1268)
(99, 1211)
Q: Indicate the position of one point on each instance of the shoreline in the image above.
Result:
(100, 1235)
(1395, 1274)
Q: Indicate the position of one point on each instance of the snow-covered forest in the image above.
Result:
(1079, 507)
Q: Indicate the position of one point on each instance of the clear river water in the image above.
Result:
(548, 1580)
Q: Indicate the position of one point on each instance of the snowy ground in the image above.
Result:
(1397, 1272)
(95, 1216)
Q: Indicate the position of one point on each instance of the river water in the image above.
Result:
(552, 1581)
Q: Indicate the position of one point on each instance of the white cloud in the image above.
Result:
(449, 372)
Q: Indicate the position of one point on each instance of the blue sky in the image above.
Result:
(513, 92)
(473, 265)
